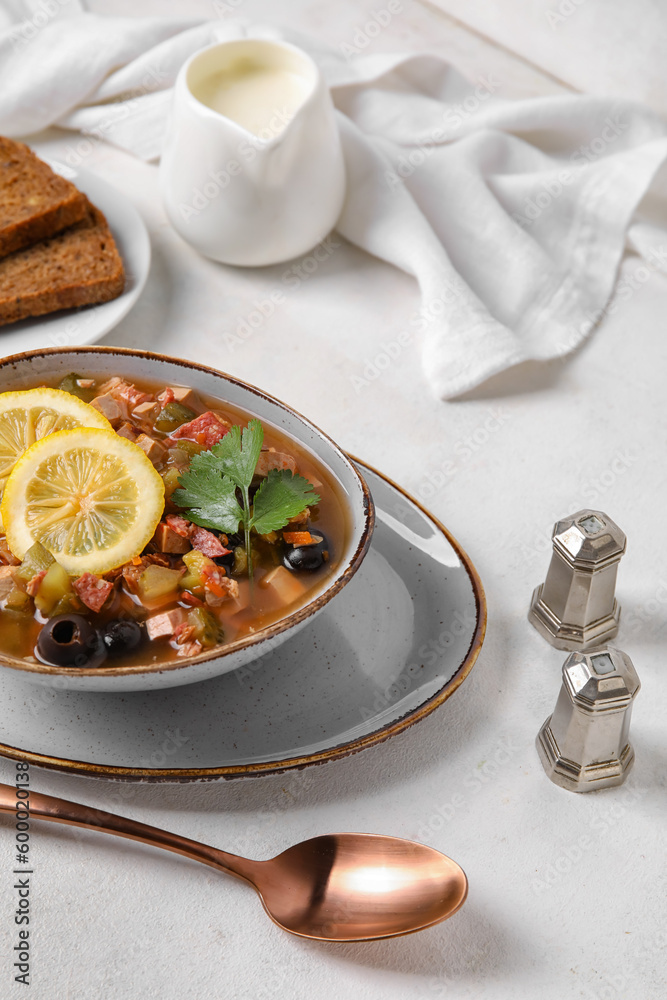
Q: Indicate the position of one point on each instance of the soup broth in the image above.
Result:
(215, 601)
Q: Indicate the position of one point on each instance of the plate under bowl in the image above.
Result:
(398, 641)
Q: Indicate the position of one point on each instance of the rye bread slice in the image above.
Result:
(79, 267)
(35, 202)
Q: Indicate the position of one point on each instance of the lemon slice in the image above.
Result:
(91, 497)
(29, 415)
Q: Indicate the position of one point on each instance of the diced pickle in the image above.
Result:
(171, 483)
(240, 561)
(71, 384)
(194, 579)
(189, 447)
(67, 605)
(17, 600)
(18, 629)
(172, 416)
(54, 587)
(208, 630)
(35, 560)
(158, 583)
(270, 538)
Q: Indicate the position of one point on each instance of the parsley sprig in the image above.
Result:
(209, 488)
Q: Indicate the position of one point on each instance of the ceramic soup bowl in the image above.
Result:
(49, 366)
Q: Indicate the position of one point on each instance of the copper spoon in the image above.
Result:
(340, 887)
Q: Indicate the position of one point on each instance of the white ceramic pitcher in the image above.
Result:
(252, 198)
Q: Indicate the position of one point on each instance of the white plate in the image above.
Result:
(398, 640)
(73, 327)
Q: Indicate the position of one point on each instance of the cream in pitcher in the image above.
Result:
(252, 171)
(261, 99)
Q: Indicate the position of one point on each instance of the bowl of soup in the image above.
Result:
(162, 522)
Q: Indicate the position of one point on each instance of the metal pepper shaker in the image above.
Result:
(584, 745)
(575, 607)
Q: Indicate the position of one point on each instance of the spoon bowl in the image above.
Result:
(360, 887)
(339, 887)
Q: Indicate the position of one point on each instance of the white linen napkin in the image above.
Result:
(511, 215)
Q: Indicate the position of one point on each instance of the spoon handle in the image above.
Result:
(62, 811)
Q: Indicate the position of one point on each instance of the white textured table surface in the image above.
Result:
(567, 893)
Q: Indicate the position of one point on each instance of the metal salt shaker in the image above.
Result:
(575, 607)
(584, 745)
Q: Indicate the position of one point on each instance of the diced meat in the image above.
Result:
(301, 518)
(33, 585)
(92, 590)
(145, 414)
(243, 599)
(218, 587)
(206, 430)
(127, 431)
(189, 648)
(184, 632)
(6, 581)
(125, 392)
(153, 449)
(164, 624)
(284, 584)
(166, 539)
(206, 542)
(114, 574)
(180, 394)
(132, 571)
(7, 557)
(189, 598)
(274, 460)
(109, 408)
(111, 383)
(179, 525)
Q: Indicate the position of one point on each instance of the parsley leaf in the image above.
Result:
(210, 487)
(211, 499)
(236, 455)
(282, 495)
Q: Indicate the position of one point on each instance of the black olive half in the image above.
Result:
(121, 636)
(70, 641)
(307, 557)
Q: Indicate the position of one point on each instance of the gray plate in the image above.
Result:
(396, 642)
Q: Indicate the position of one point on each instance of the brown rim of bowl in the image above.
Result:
(182, 775)
(265, 634)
